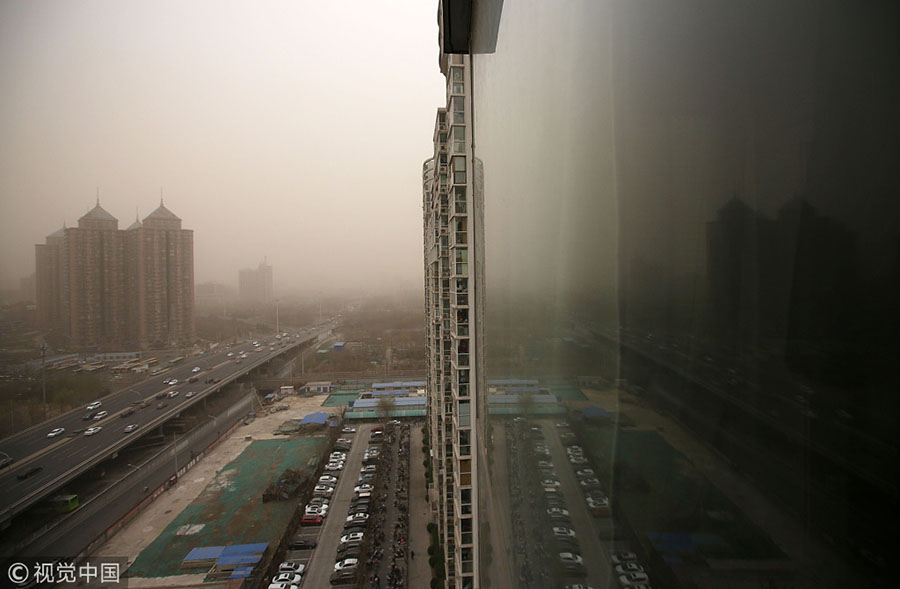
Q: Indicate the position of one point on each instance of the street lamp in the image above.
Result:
(44, 377)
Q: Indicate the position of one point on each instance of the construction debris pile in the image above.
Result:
(285, 487)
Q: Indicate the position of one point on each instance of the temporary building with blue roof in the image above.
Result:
(318, 418)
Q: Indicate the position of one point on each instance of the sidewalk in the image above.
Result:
(419, 511)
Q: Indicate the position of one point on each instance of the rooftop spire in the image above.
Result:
(98, 196)
(160, 196)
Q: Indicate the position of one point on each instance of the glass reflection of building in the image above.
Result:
(691, 222)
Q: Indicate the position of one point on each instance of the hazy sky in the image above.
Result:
(293, 130)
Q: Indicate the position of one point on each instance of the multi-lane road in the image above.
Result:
(63, 457)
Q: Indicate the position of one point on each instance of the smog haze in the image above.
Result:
(285, 131)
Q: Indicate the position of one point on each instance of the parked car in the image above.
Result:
(302, 544)
(623, 557)
(311, 520)
(292, 567)
(629, 567)
(347, 563)
(289, 578)
(633, 579)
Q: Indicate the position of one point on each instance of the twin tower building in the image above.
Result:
(100, 287)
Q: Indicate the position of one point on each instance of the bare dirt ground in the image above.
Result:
(141, 531)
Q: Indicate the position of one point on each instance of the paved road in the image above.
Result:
(321, 565)
(596, 559)
(64, 457)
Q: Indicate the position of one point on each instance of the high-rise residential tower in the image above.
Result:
(102, 287)
(452, 295)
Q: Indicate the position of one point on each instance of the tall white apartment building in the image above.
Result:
(451, 199)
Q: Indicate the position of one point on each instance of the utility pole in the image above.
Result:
(44, 377)
(277, 330)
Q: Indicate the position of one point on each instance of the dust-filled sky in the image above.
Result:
(292, 130)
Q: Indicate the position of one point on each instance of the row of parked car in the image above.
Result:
(347, 559)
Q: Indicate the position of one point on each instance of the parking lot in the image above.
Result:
(363, 536)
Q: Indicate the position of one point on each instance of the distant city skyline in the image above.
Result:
(265, 126)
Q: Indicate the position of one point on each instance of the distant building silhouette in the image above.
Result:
(255, 285)
(101, 287)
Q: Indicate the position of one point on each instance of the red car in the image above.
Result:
(311, 520)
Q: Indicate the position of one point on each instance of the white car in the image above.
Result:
(316, 510)
(56, 432)
(564, 532)
(130, 428)
(629, 567)
(348, 430)
(352, 537)
(94, 405)
(292, 567)
(92, 430)
(334, 466)
(631, 579)
(291, 578)
(327, 478)
(623, 557)
(195, 369)
(173, 381)
(364, 488)
(230, 355)
(347, 563)
(570, 558)
(358, 517)
(173, 394)
(323, 490)
(100, 415)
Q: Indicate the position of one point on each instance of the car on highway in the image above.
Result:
(190, 394)
(94, 405)
(100, 415)
(162, 405)
(55, 432)
(130, 427)
(347, 563)
(229, 355)
(92, 430)
(193, 379)
(195, 369)
(127, 412)
(172, 394)
(161, 395)
(88, 416)
(173, 381)
(144, 404)
(6, 461)
(27, 473)
(633, 579)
